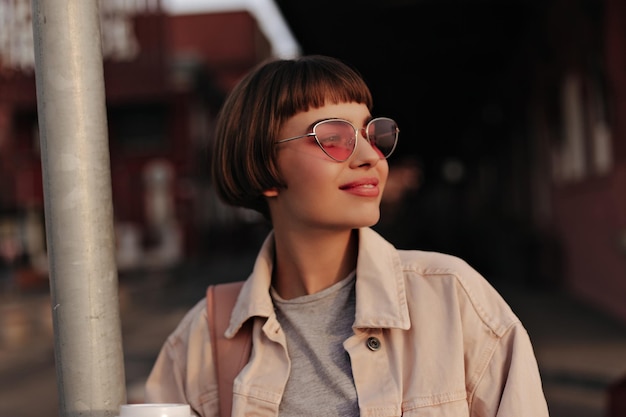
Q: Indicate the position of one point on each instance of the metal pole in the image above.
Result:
(78, 207)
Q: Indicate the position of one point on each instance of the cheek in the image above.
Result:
(309, 179)
(383, 172)
(303, 174)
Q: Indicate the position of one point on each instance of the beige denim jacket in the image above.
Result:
(447, 344)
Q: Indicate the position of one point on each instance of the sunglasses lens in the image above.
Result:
(383, 135)
(336, 138)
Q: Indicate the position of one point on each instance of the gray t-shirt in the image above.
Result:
(316, 325)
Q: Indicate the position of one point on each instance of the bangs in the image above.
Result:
(306, 86)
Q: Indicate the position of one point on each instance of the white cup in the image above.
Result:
(155, 410)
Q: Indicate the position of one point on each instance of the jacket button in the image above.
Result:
(373, 343)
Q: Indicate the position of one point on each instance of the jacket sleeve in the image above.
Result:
(184, 371)
(511, 383)
(166, 381)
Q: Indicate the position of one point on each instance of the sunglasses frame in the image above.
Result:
(356, 133)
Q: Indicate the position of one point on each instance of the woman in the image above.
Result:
(344, 324)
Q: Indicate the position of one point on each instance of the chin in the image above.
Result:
(369, 221)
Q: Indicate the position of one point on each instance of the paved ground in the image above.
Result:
(580, 350)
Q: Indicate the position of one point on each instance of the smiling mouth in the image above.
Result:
(359, 185)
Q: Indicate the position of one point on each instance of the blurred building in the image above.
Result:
(167, 67)
(577, 148)
(511, 112)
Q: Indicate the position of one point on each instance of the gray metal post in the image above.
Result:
(78, 207)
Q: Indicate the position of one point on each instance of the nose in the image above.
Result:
(365, 153)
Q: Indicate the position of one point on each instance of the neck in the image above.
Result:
(306, 264)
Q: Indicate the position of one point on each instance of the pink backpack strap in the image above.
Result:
(230, 355)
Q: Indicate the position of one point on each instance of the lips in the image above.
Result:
(367, 187)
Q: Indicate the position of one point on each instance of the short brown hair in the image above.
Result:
(244, 156)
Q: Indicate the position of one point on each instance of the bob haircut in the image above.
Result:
(244, 156)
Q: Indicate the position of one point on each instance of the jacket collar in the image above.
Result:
(381, 300)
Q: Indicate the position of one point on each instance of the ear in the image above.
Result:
(271, 192)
